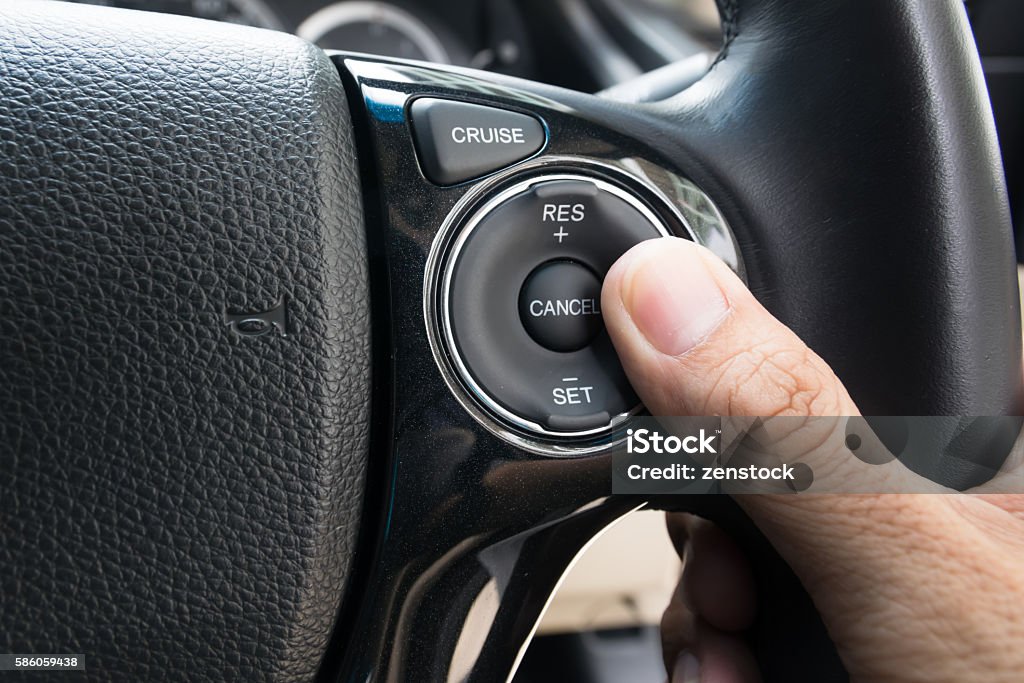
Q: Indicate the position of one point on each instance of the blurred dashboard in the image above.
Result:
(484, 34)
(586, 45)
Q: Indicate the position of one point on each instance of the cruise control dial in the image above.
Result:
(520, 303)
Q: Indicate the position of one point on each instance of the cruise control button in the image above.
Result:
(523, 302)
(560, 305)
(459, 141)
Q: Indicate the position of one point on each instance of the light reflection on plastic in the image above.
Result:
(387, 106)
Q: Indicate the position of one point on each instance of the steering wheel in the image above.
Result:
(268, 409)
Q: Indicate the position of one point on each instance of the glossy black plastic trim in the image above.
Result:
(476, 532)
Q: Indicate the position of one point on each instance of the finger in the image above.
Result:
(678, 526)
(678, 629)
(718, 658)
(694, 650)
(717, 582)
(715, 656)
(694, 341)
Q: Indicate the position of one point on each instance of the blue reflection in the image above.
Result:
(387, 106)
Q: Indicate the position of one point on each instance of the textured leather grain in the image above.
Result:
(853, 144)
(177, 501)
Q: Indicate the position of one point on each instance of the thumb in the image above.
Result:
(694, 340)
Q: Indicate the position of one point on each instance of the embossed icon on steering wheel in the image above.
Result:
(259, 323)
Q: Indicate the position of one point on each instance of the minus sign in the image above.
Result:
(569, 379)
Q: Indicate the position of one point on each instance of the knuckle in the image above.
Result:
(772, 378)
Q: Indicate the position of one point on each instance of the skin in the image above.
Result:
(912, 587)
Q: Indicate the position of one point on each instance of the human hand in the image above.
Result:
(911, 587)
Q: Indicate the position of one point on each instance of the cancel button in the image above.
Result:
(560, 305)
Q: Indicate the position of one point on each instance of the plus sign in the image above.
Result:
(561, 234)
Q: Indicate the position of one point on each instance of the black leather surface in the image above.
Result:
(854, 143)
(176, 501)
